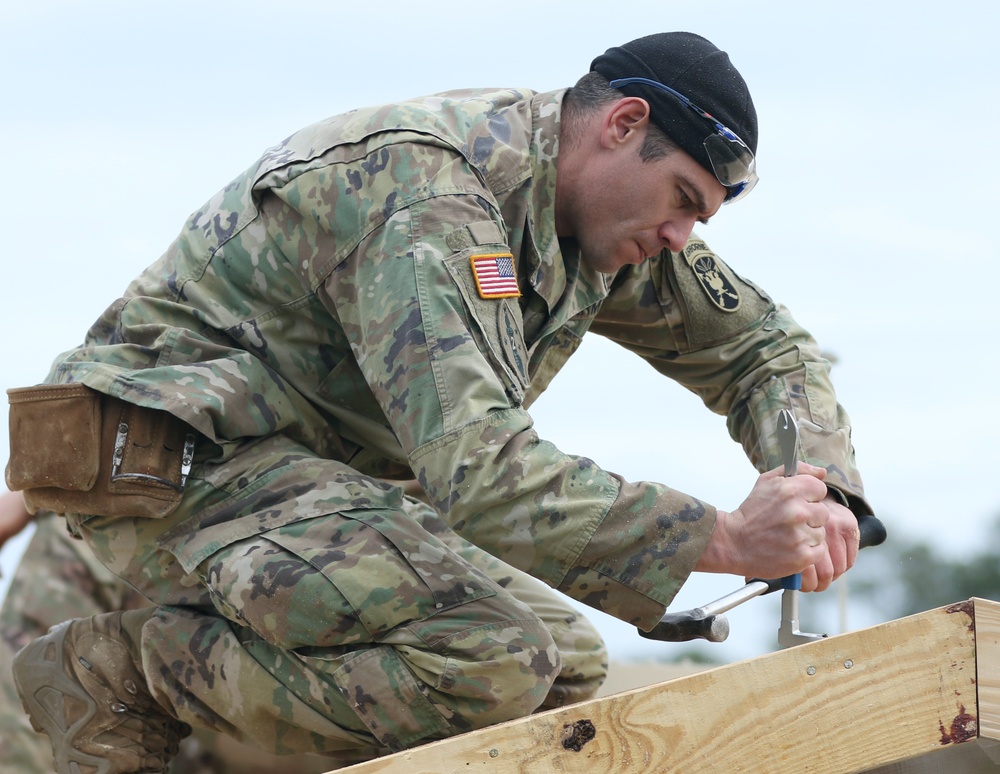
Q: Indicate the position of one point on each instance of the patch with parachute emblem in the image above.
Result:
(713, 276)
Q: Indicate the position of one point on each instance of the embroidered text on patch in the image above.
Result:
(494, 275)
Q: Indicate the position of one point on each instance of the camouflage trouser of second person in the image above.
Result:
(58, 578)
(307, 608)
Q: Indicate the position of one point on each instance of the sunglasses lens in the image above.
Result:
(740, 190)
(732, 161)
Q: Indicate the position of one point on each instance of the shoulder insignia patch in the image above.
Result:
(713, 276)
(494, 275)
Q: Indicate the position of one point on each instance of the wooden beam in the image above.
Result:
(988, 667)
(894, 698)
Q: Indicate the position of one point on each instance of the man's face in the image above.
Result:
(626, 210)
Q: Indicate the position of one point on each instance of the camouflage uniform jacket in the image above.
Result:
(328, 294)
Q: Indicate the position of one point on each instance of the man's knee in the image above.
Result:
(584, 661)
(465, 668)
(489, 661)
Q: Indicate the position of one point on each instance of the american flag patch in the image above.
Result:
(494, 275)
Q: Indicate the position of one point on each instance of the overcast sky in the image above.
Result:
(874, 221)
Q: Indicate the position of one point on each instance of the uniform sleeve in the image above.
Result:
(698, 322)
(448, 368)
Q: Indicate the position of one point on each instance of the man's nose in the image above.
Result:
(675, 232)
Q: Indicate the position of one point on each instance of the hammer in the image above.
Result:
(708, 623)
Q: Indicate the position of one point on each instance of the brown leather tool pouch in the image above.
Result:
(75, 450)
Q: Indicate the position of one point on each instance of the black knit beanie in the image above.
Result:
(697, 69)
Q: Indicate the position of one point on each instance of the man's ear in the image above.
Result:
(623, 119)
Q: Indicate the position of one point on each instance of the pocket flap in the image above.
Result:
(55, 437)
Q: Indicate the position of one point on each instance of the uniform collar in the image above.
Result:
(555, 274)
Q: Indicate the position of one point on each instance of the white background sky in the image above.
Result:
(875, 218)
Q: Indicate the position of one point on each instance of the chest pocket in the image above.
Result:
(551, 353)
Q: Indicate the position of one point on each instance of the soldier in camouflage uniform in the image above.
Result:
(381, 297)
(58, 578)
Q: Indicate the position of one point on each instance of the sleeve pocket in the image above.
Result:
(497, 323)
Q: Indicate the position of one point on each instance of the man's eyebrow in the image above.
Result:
(697, 197)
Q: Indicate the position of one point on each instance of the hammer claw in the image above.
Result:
(788, 630)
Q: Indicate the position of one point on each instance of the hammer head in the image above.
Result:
(689, 625)
(788, 633)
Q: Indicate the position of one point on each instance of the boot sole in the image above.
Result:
(42, 681)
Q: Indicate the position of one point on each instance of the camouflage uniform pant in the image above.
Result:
(58, 578)
(308, 608)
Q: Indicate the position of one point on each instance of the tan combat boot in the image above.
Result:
(79, 684)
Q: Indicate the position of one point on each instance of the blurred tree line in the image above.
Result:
(905, 576)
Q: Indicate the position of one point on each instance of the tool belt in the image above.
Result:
(76, 450)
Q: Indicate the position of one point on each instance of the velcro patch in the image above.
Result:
(494, 275)
(713, 276)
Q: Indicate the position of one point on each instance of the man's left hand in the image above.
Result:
(842, 539)
(13, 515)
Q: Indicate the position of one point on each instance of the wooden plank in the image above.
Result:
(894, 692)
(968, 758)
(988, 667)
(982, 754)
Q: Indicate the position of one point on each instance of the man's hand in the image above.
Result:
(13, 515)
(786, 525)
(842, 538)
